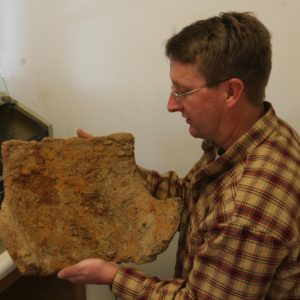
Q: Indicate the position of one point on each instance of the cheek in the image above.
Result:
(201, 111)
(212, 107)
(206, 118)
(207, 108)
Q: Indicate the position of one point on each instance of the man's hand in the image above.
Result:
(81, 133)
(90, 271)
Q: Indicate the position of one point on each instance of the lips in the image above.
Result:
(187, 120)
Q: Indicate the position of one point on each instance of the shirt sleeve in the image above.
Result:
(163, 186)
(232, 263)
(132, 284)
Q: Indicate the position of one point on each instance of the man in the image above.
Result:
(240, 226)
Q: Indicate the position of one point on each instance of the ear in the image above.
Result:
(235, 90)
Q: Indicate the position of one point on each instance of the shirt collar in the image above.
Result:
(260, 131)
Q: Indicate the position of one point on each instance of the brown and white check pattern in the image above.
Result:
(240, 228)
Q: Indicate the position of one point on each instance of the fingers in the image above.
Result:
(67, 273)
(64, 275)
(90, 271)
(83, 134)
(72, 271)
(85, 271)
(74, 279)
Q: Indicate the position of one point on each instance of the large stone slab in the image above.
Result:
(66, 200)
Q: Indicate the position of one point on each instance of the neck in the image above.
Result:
(238, 121)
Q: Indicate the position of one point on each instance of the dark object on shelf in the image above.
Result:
(19, 123)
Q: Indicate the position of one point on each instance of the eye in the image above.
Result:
(179, 89)
(183, 91)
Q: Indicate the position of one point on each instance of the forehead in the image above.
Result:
(184, 73)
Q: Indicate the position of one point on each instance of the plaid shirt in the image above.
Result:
(240, 227)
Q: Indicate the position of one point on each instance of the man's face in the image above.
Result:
(203, 109)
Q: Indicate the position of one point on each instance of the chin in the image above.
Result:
(195, 134)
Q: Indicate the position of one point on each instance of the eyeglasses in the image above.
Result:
(178, 96)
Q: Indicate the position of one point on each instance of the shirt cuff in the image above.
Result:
(127, 283)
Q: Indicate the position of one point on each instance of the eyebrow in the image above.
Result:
(178, 85)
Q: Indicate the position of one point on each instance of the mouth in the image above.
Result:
(187, 120)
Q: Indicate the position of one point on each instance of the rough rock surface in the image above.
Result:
(70, 199)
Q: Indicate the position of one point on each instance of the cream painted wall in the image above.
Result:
(100, 65)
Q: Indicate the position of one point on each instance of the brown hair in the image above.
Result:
(230, 45)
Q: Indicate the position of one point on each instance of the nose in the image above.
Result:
(173, 104)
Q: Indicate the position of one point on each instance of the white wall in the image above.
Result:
(100, 65)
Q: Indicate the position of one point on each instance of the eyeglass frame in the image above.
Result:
(180, 95)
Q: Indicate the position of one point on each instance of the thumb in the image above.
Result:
(83, 134)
